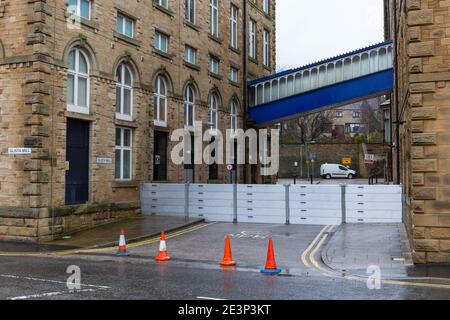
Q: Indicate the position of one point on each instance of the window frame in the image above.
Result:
(234, 27)
(214, 113)
(266, 6)
(75, 107)
(124, 20)
(266, 48)
(189, 104)
(233, 118)
(187, 49)
(158, 96)
(214, 18)
(158, 2)
(212, 62)
(236, 72)
(123, 148)
(252, 39)
(77, 12)
(160, 35)
(188, 4)
(123, 86)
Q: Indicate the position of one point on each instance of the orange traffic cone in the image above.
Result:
(227, 257)
(162, 253)
(122, 244)
(271, 265)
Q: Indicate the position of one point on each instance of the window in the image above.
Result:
(266, 6)
(78, 82)
(354, 128)
(189, 107)
(233, 117)
(234, 74)
(339, 114)
(123, 154)
(161, 42)
(190, 55)
(163, 3)
(214, 65)
(125, 25)
(81, 8)
(213, 105)
(252, 40)
(343, 168)
(189, 6)
(124, 93)
(266, 43)
(234, 26)
(356, 114)
(160, 101)
(214, 17)
(387, 126)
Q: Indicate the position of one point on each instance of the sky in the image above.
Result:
(311, 30)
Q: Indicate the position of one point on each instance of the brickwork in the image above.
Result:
(423, 100)
(35, 40)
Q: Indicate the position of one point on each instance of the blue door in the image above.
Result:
(77, 162)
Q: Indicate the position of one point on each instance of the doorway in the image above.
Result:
(77, 162)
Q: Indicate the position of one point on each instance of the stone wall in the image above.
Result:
(35, 39)
(424, 103)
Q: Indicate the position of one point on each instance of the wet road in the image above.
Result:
(194, 272)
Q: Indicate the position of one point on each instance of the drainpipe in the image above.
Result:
(397, 115)
(245, 77)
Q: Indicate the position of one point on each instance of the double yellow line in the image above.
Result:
(108, 249)
(308, 259)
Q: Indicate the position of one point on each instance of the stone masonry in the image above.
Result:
(36, 37)
(423, 43)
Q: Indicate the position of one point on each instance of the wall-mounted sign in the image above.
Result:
(230, 167)
(346, 161)
(369, 158)
(67, 165)
(104, 160)
(19, 150)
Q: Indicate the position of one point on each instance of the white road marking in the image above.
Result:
(208, 298)
(311, 245)
(89, 287)
(49, 280)
(50, 294)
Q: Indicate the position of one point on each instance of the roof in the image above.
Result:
(318, 63)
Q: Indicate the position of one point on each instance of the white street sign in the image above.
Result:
(19, 150)
(104, 160)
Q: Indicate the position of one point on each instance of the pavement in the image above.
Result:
(136, 228)
(354, 247)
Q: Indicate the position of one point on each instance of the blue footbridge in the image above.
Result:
(344, 79)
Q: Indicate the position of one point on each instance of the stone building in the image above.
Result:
(421, 115)
(94, 88)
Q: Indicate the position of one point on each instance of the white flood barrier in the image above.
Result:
(290, 204)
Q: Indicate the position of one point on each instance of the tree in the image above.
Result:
(313, 126)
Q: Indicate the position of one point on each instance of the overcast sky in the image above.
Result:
(311, 30)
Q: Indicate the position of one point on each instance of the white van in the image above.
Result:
(328, 171)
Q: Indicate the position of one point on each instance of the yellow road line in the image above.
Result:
(311, 245)
(335, 274)
(108, 249)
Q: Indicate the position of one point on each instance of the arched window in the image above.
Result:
(214, 106)
(189, 107)
(233, 117)
(160, 101)
(124, 93)
(78, 82)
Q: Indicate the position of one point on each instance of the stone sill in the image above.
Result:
(235, 84)
(163, 54)
(191, 25)
(163, 9)
(192, 66)
(235, 50)
(125, 123)
(126, 39)
(125, 184)
(214, 75)
(216, 39)
(253, 60)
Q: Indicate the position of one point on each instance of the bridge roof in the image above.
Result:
(318, 63)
